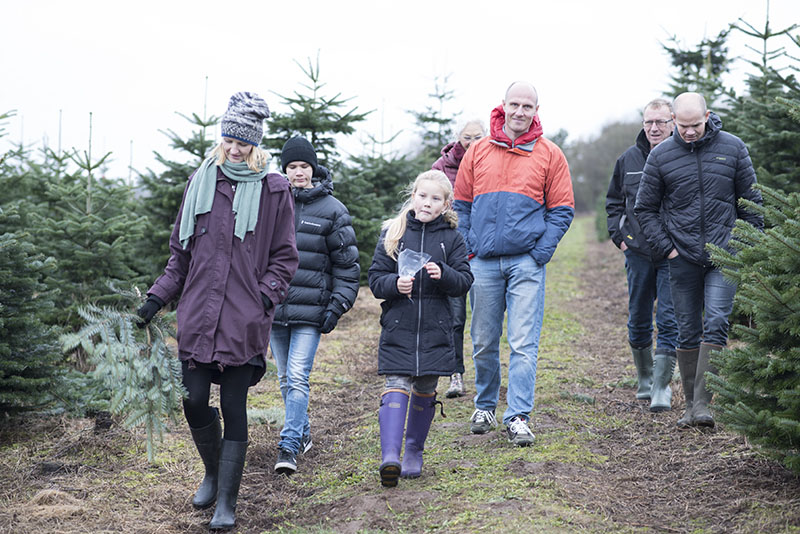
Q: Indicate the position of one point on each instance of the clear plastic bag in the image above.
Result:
(410, 261)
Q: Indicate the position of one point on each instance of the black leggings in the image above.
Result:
(233, 385)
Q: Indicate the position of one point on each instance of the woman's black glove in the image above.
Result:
(267, 303)
(329, 323)
(149, 310)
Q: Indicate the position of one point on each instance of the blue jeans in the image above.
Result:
(421, 384)
(703, 300)
(516, 284)
(648, 281)
(294, 348)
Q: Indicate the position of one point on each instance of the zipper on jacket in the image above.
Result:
(444, 252)
(702, 207)
(419, 300)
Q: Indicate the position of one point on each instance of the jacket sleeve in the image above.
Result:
(615, 205)
(648, 208)
(283, 257)
(169, 285)
(745, 178)
(343, 253)
(559, 207)
(464, 195)
(382, 274)
(457, 277)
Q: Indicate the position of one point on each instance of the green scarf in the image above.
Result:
(200, 197)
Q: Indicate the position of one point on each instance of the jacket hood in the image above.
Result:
(453, 151)
(324, 186)
(498, 120)
(713, 126)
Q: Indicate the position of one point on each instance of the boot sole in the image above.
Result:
(390, 473)
(660, 408)
(203, 506)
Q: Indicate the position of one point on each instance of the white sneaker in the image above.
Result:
(456, 388)
(518, 432)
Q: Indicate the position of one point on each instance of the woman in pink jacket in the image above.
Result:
(452, 153)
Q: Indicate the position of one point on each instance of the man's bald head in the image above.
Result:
(523, 86)
(690, 115)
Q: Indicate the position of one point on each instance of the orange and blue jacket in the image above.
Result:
(514, 197)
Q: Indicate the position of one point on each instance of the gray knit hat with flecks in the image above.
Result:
(244, 117)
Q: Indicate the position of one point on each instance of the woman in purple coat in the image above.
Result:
(232, 257)
(452, 153)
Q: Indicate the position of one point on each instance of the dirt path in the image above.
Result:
(602, 462)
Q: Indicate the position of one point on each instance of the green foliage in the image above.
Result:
(316, 117)
(372, 192)
(161, 194)
(759, 118)
(137, 366)
(436, 129)
(700, 69)
(759, 382)
(28, 352)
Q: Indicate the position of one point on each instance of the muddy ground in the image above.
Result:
(655, 478)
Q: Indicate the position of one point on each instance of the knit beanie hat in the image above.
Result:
(244, 116)
(298, 149)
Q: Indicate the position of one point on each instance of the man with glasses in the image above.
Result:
(647, 270)
(689, 197)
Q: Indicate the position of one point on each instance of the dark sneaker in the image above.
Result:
(518, 432)
(305, 444)
(482, 421)
(286, 464)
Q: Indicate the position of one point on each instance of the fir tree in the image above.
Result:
(700, 69)
(316, 117)
(28, 352)
(756, 116)
(162, 193)
(758, 384)
(435, 127)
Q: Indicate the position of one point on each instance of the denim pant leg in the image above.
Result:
(302, 347)
(688, 287)
(458, 307)
(666, 324)
(525, 299)
(642, 286)
(719, 293)
(488, 299)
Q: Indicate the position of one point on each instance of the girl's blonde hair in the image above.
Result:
(396, 226)
(256, 160)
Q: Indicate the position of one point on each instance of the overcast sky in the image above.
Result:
(133, 65)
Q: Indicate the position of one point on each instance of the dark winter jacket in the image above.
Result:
(328, 275)
(220, 278)
(621, 197)
(417, 332)
(689, 193)
(452, 154)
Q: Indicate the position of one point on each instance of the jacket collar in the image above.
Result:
(524, 142)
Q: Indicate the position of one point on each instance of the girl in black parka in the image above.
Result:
(416, 344)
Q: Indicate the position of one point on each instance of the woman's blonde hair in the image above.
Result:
(396, 226)
(256, 160)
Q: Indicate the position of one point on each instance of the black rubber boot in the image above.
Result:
(231, 465)
(702, 396)
(207, 440)
(687, 363)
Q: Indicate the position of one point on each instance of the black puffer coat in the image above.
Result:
(417, 332)
(621, 197)
(328, 275)
(689, 193)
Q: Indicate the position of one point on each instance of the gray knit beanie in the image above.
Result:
(298, 149)
(244, 117)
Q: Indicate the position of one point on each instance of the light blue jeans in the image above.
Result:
(294, 348)
(514, 284)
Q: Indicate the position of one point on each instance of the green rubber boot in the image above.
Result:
(661, 394)
(702, 396)
(687, 363)
(643, 358)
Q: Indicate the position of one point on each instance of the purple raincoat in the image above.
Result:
(219, 278)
